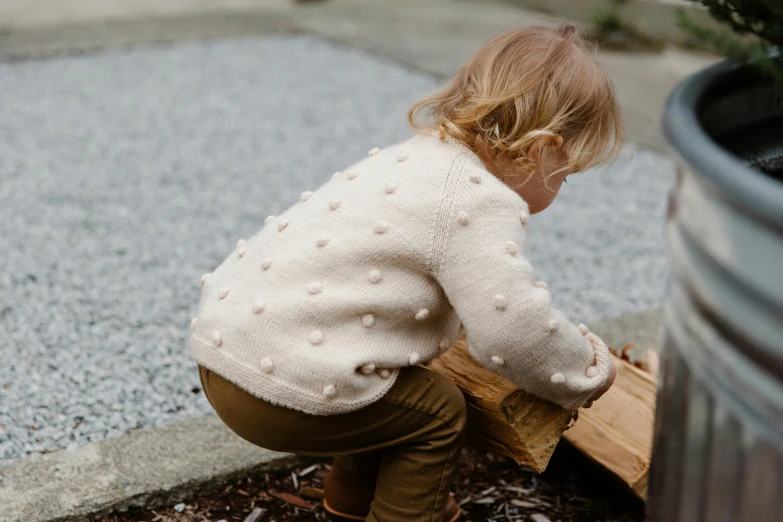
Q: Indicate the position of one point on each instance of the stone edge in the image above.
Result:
(191, 458)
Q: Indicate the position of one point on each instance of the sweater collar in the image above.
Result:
(451, 140)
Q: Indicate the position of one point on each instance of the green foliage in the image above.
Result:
(606, 20)
(757, 26)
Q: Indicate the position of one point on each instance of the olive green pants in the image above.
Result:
(411, 438)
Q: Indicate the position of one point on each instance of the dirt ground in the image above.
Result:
(489, 489)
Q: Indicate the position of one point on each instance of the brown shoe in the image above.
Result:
(347, 497)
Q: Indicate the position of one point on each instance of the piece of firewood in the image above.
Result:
(616, 432)
(501, 417)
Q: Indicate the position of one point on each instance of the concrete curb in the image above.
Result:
(152, 467)
(164, 466)
(87, 37)
(653, 19)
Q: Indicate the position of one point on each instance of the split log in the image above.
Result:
(616, 432)
(502, 418)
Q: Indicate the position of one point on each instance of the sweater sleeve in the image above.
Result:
(510, 325)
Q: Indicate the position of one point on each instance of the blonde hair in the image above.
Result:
(524, 86)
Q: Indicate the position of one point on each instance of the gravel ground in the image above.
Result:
(126, 175)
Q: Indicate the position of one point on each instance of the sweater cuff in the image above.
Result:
(584, 383)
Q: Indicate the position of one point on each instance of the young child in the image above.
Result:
(310, 335)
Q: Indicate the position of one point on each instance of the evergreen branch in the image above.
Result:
(753, 52)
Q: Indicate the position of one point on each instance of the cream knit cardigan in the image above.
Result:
(375, 271)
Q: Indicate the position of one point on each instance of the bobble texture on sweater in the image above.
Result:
(376, 270)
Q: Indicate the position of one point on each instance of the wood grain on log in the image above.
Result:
(501, 417)
(616, 432)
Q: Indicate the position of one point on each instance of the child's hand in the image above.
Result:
(605, 387)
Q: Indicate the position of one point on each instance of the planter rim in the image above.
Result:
(756, 193)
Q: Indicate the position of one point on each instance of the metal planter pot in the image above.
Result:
(718, 451)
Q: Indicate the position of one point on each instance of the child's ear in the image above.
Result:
(543, 141)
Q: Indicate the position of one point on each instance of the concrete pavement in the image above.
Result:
(156, 467)
(434, 36)
(20, 15)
